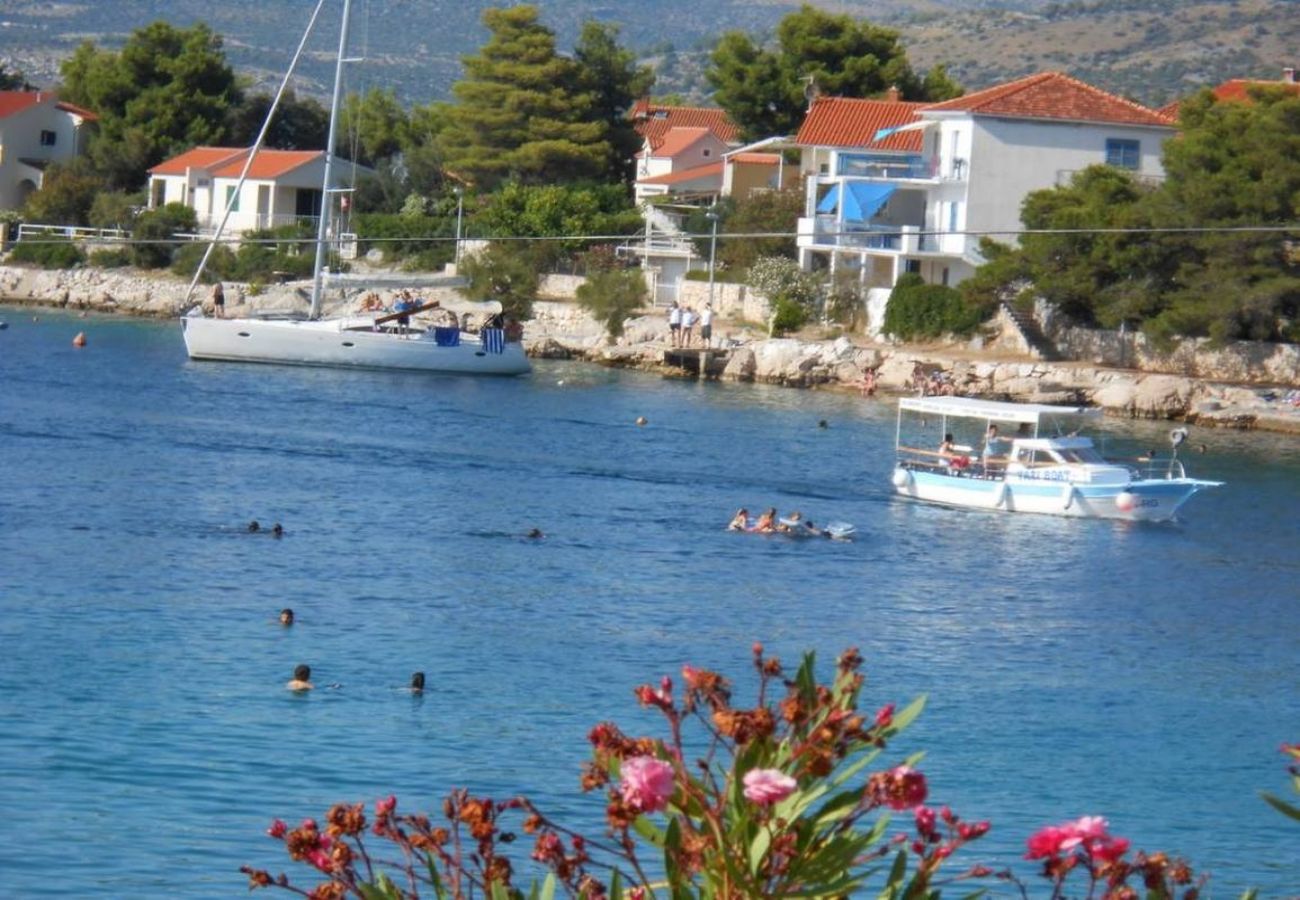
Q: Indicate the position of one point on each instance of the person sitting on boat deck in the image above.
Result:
(514, 330)
(740, 521)
(371, 303)
(949, 457)
(766, 523)
(417, 683)
(301, 680)
(991, 440)
(286, 616)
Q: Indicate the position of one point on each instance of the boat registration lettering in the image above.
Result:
(1044, 475)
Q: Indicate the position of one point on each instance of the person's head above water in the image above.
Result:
(535, 533)
(277, 529)
(253, 526)
(417, 682)
(302, 672)
(286, 616)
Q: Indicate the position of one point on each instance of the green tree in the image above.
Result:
(611, 295)
(167, 90)
(762, 212)
(611, 75)
(372, 126)
(917, 310)
(14, 81)
(504, 274)
(765, 90)
(299, 123)
(67, 193)
(114, 209)
(521, 112)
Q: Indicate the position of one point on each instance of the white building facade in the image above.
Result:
(895, 188)
(36, 129)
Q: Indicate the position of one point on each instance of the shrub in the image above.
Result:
(917, 310)
(111, 259)
(788, 316)
(780, 279)
(400, 235)
(114, 209)
(155, 234)
(612, 295)
(503, 273)
(48, 253)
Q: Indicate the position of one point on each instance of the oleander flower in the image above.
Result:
(647, 783)
(278, 829)
(768, 786)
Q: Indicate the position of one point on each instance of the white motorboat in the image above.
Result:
(1028, 470)
(355, 341)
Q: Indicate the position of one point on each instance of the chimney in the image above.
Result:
(892, 94)
(1288, 75)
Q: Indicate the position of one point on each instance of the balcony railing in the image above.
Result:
(824, 231)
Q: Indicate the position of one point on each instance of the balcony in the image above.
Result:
(823, 232)
(900, 168)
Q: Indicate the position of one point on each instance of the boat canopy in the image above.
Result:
(991, 410)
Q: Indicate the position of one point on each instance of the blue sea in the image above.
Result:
(1145, 673)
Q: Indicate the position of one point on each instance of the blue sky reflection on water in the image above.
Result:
(1145, 673)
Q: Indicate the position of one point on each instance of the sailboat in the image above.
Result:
(374, 341)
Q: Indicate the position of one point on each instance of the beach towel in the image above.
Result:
(494, 340)
(446, 337)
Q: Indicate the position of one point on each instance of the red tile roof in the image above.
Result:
(228, 162)
(78, 110)
(16, 101)
(269, 163)
(653, 120)
(709, 170)
(677, 140)
(198, 158)
(1053, 95)
(846, 122)
(1239, 88)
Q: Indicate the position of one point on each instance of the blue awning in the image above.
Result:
(861, 200)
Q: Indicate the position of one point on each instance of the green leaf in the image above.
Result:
(1282, 806)
(897, 873)
(758, 849)
(907, 714)
(438, 890)
(648, 830)
(616, 885)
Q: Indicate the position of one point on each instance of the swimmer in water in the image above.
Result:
(417, 683)
(766, 523)
(277, 529)
(535, 533)
(254, 527)
(301, 680)
(740, 521)
(286, 616)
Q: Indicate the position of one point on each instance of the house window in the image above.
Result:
(912, 266)
(230, 192)
(48, 138)
(945, 276)
(706, 151)
(1124, 154)
(952, 216)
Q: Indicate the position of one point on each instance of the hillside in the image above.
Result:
(1151, 50)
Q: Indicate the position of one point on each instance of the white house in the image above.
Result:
(283, 187)
(36, 129)
(903, 187)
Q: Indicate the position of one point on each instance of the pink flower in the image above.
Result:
(909, 788)
(1047, 842)
(647, 783)
(277, 829)
(1109, 850)
(386, 806)
(768, 786)
(885, 716)
(1087, 833)
(925, 821)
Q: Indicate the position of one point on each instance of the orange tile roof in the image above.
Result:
(228, 162)
(846, 122)
(1053, 95)
(1239, 88)
(678, 139)
(269, 163)
(198, 158)
(709, 170)
(653, 121)
(78, 110)
(16, 101)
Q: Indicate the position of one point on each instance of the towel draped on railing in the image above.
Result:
(494, 340)
(446, 336)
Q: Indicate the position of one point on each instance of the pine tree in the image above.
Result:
(522, 113)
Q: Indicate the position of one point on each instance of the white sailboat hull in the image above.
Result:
(331, 342)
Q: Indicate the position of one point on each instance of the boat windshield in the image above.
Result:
(1080, 455)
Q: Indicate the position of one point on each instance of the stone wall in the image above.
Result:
(1247, 362)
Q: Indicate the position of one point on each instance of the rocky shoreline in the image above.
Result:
(564, 330)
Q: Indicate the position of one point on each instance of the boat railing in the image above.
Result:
(961, 463)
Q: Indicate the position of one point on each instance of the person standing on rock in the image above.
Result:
(218, 301)
(688, 325)
(674, 324)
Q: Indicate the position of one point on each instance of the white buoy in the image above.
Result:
(642, 420)
(1125, 501)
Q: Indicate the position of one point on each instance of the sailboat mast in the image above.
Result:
(323, 226)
